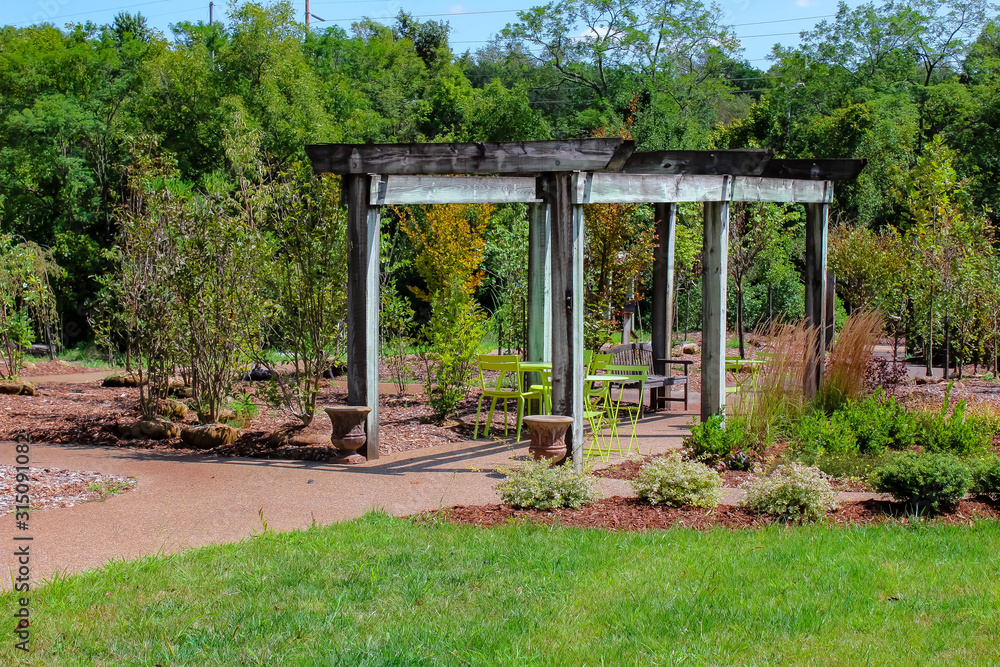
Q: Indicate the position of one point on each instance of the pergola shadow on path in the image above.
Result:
(555, 179)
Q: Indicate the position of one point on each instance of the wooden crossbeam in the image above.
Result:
(525, 157)
(815, 169)
(732, 162)
(607, 188)
(453, 190)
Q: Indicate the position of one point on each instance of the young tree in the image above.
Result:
(26, 300)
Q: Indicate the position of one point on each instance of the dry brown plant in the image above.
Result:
(844, 376)
(776, 398)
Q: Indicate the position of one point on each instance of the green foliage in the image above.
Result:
(881, 422)
(454, 333)
(716, 439)
(671, 481)
(538, 485)
(932, 481)
(26, 299)
(791, 492)
(955, 432)
(394, 320)
(816, 434)
(986, 476)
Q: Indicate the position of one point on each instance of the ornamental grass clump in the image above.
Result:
(674, 482)
(923, 481)
(535, 484)
(792, 492)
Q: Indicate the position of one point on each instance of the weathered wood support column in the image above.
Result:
(817, 216)
(714, 261)
(363, 303)
(567, 307)
(539, 279)
(663, 284)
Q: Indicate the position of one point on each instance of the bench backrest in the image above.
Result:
(633, 354)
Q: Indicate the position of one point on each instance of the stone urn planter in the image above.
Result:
(548, 436)
(348, 432)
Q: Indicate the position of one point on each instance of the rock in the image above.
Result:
(209, 436)
(175, 383)
(63, 363)
(27, 365)
(39, 350)
(256, 374)
(183, 392)
(121, 380)
(334, 369)
(225, 415)
(17, 389)
(926, 379)
(690, 348)
(152, 430)
(295, 435)
(958, 384)
(172, 409)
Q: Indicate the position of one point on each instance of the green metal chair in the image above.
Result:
(599, 362)
(509, 367)
(595, 412)
(636, 380)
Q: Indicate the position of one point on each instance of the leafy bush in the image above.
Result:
(932, 481)
(454, 333)
(848, 464)
(880, 423)
(986, 477)
(885, 375)
(816, 434)
(669, 480)
(955, 433)
(791, 492)
(535, 484)
(715, 439)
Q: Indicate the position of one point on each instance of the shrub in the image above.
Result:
(715, 439)
(885, 374)
(671, 481)
(848, 464)
(818, 434)
(986, 477)
(880, 423)
(791, 492)
(932, 481)
(535, 484)
(955, 433)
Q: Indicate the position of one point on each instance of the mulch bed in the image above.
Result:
(633, 515)
(54, 487)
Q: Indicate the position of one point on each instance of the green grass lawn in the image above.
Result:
(383, 591)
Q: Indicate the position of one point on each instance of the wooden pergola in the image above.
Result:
(555, 179)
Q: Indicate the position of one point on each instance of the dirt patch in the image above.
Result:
(53, 487)
(631, 514)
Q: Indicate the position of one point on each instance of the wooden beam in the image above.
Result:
(539, 283)
(781, 190)
(817, 219)
(608, 188)
(719, 162)
(454, 190)
(567, 308)
(815, 169)
(363, 232)
(524, 157)
(715, 255)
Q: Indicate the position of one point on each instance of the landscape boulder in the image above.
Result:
(209, 436)
(17, 388)
(120, 380)
(152, 430)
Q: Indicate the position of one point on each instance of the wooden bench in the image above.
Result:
(660, 373)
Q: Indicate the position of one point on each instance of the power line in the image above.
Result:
(92, 11)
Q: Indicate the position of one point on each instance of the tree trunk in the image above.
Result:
(947, 346)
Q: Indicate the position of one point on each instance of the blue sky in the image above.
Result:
(759, 24)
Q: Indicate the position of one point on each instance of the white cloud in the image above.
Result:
(456, 9)
(803, 3)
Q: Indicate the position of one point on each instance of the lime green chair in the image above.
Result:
(595, 412)
(599, 362)
(509, 368)
(636, 380)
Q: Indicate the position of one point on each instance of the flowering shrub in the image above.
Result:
(671, 481)
(535, 484)
(791, 492)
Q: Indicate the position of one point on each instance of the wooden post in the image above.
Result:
(831, 314)
(715, 255)
(817, 216)
(539, 279)
(363, 304)
(567, 309)
(662, 328)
